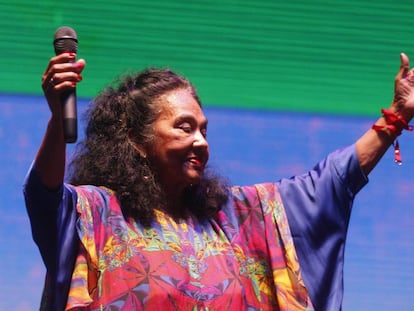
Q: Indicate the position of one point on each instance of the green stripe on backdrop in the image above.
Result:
(314, 56)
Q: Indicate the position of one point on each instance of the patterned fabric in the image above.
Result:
(244, 259)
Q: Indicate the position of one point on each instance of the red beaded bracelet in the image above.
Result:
(395, 124)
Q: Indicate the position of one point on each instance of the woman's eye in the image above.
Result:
(186, 128)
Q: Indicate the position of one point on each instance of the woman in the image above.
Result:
(142, 225)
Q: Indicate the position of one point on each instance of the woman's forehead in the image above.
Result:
(178, 102)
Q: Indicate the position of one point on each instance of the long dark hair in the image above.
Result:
(108, 158)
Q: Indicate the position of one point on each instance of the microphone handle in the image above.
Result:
(70, 120)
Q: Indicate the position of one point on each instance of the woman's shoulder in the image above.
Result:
(95, 199)
(254, 191)
(92, 190)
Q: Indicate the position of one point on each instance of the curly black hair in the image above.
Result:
(107, 156)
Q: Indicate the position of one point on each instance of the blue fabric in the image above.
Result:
(53, 229)
(317, 204)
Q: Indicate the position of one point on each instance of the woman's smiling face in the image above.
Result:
(179, 151)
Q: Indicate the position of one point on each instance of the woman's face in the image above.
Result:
(179, 151)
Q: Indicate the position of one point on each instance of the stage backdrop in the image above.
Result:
(283, 83)
(320, 55)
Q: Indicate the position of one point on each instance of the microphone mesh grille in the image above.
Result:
(65, 40)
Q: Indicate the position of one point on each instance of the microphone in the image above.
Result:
(66, 40)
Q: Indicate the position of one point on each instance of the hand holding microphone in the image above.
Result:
(60, 78)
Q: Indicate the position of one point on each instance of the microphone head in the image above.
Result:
(65, 40)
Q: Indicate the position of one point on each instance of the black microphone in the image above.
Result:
(66, 40)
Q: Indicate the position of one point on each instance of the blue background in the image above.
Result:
(248, 146)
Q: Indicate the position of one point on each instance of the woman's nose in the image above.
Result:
(200, 139)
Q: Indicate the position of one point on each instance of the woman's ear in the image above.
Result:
(137, 146)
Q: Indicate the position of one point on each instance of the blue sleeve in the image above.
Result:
(53, 217)
(318, 206)
(42, 207)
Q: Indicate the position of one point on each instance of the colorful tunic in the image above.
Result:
(243, 259)
(226, 260)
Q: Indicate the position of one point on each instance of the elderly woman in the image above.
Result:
(143, 225)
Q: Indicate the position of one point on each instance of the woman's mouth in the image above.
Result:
(197, 163)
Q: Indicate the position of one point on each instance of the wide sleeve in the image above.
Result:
(42, 207)
(52, 216)
(318, 206)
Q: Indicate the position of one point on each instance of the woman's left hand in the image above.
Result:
(403, 102)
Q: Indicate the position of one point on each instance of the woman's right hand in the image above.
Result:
(62, 73)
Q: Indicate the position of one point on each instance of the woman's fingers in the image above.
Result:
(62, 72)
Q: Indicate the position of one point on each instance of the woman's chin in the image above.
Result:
(193, 178)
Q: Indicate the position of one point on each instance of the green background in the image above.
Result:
(318, 56)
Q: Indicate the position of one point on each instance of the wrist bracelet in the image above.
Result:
(395, 124)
